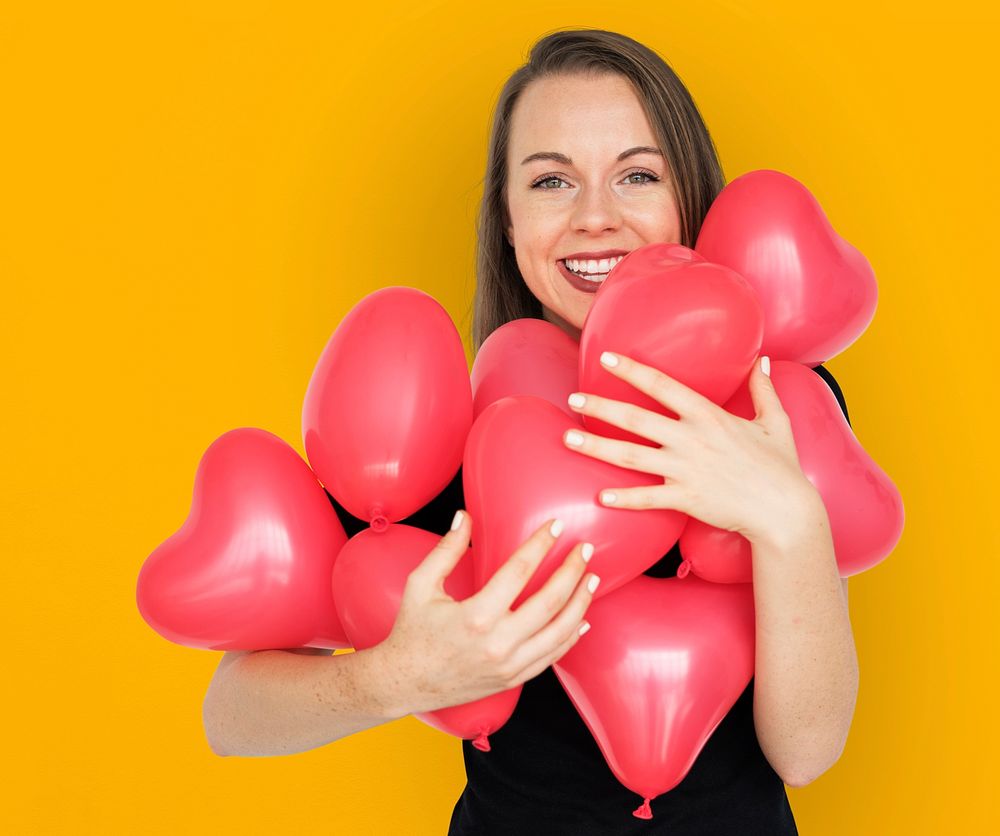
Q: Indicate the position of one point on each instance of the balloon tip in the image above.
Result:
(644, 811)
(377, 519)
(684, 569)
(482, 742)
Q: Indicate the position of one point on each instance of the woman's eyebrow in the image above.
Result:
(564, 160)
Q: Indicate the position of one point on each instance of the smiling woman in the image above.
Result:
(596, 149)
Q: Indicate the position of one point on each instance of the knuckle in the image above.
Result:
(477, 622)
(552, 602)
(507, 671)
(632, 420)
(662, 387)
(495, 651)
(499, 652)
(629, 457)
(522, 568)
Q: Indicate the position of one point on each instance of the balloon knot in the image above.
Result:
(644, 811)
(684, 569)
(482, 742)
(378, 520)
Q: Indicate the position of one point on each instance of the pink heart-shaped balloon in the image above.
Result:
(864, 507)
(250, 567)
(526, 357)
(368, 583)
(664, 662)
(389, 406)
(665, 306)
(818, 291)
(517, 473)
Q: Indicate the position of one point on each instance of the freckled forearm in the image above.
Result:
(806, 676)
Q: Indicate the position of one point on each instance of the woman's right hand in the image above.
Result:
(442, 652)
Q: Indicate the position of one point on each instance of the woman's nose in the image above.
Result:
(596, 211)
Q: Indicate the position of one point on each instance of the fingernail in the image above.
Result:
(573, 438)
(592, 583)
(556, 528)
(608, 497)
(587, 552)
(576, 399)
(455, 523)
(609, 359)
(584, 627)
(765, 365)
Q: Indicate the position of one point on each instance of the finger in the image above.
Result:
(643, 422)
(500, 591)
(546, 603)
(549, 659)
(625, 454)
(558, 630)
(667, 496)
(670, 497)
(431, 572)
(766, 403)
(660, 386)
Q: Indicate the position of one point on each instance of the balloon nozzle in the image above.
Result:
(377, 519)
(644, 811)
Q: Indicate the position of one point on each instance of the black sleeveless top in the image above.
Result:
(545, 774)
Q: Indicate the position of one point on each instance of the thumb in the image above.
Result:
(431, 572)
(762, 391)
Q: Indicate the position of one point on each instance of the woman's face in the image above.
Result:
(570, 193)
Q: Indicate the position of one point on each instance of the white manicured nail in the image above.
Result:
(573, 438)
(609, 359)
(455, 523)
(765, 365)
(592, 583)
(584, 627)
(556, 528)
(587, 552)
(576, 399)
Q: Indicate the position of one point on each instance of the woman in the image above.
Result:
(596, 149)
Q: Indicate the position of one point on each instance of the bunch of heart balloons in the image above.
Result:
(391, 413)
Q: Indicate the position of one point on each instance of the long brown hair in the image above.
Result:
(501, 293)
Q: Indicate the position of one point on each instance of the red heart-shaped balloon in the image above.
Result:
(661, 667)
(818, 291)
(251, 567)
(666, 307)
(526, 357)
(389, 406)
(864, 507)
(369, 579)
(664, 662)
(517, 473)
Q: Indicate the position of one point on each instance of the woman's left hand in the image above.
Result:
(724, 470)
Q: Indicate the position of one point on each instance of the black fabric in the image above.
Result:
(545, 774)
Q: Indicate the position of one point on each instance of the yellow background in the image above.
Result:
(194, 194)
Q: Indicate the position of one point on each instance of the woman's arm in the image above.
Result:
(275, 702)
(806, 669)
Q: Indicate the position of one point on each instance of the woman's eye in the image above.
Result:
(650, 177)
(538, 183)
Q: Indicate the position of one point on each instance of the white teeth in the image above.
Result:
(592, 266)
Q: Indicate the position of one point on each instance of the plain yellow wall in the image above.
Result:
(194, 194)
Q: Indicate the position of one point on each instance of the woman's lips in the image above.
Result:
(575, 280)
